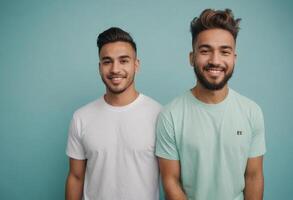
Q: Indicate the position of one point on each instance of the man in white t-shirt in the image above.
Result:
(111, 140)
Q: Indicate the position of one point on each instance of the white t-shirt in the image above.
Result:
(118, 144)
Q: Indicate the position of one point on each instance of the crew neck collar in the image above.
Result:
(122, 108)
(219, 105)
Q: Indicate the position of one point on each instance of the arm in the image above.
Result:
(170, 172)
(75, 179)
(254, 179)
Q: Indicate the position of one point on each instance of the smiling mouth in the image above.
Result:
(214, 71)
(116, 79)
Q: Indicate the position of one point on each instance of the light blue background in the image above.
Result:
(48, 68)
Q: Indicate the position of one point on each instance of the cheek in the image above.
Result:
(103, 72)
(201, 61)
(131, 69)
(231, 63)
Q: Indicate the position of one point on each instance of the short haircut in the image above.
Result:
(114, 34)
(210, 19)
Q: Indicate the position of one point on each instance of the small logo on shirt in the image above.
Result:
(239, 133)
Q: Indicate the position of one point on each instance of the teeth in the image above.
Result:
(215, 70)
(116, 78)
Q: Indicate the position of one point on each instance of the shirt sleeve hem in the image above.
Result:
(257, 154)
(75, 156)
(166, 156)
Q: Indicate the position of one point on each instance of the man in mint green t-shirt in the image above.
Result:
(210, 140)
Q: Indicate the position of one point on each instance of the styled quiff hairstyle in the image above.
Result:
(210, 19)
(114, 34)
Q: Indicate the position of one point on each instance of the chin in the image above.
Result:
(116, 90)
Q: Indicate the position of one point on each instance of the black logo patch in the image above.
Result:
(239, 133)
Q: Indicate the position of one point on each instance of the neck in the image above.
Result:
(121, 99)
(210, 96)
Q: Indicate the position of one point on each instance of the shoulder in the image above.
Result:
(243, 100)
(177, 103)
(247, 105)
(88, 109)
(150, 102)
(177, 107)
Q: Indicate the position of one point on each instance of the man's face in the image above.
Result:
(213, 58)
(118, 65)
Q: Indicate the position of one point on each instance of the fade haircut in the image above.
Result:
(114, 34)
(210, 19)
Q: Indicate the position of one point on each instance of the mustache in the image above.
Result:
(209, 66)
(117, 75)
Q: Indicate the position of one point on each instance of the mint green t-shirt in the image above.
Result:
(212, 142)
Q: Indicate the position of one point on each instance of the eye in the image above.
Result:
(124, 61)
(204, 51)
(106, 62)
(226, 53)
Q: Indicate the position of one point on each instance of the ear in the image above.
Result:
(137, 65)
(191, 58)
(99, 68)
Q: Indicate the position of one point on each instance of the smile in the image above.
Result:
(214, 71)
(116, 79)
(111, 76)
(218, 69)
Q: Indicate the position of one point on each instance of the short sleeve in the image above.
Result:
(257, 146)
(165, 141)
(75, 147)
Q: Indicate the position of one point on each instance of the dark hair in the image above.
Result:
(210, 19)
(114, 34)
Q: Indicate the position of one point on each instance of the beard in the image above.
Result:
(118, 90)
(205, 82)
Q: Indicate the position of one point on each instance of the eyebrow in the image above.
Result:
(120, 57)
(106, 58)
(209, 46)
(204, 46)
(226, 47)
(125, 56)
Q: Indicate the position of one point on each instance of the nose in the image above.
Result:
(215, 59)
(115, 67)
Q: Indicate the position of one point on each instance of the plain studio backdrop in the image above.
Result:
(49, 68)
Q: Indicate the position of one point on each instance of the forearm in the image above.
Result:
(74, 188)
(173, 190)
(254, 187)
